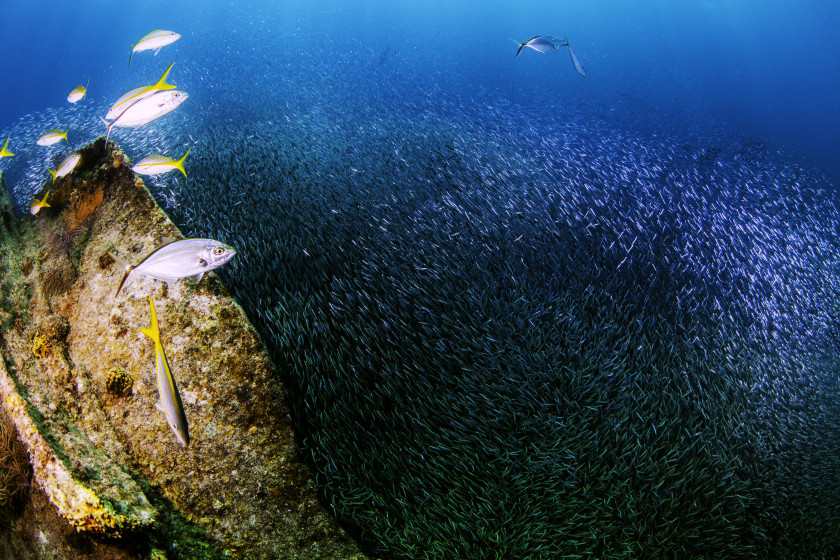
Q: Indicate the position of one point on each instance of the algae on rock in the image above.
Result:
(78, 381)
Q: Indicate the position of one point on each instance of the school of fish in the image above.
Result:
(173, 260)
(520, 326)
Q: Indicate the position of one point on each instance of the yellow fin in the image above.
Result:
(5, 151)
(161, 84)
(153, 331)
(179, 165)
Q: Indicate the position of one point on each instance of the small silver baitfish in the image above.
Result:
(170, 399)
(180, 259)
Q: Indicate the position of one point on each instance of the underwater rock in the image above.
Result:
(78, 381)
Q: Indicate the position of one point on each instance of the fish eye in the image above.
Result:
(218, 251)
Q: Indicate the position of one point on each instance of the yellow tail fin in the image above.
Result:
(180, 163)
(153, 331)
(161, 84)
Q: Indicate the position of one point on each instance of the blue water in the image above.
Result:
(611, 299)
(768, 69)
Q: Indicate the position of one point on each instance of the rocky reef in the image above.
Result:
(77, 381)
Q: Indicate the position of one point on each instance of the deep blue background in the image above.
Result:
(767, 69)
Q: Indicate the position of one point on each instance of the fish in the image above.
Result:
(179, 259)
(576, 61)
(542, 43)
(66, 166)
(170, 399)
(51, 137)
(153, 41)
(78, 93)
(4, 152)
(137, 94)
(147, 109)
(38, 204)
(157, 165)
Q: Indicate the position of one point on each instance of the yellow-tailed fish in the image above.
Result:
(157, 165)
(38, 204)
(153, 41)
(170, 399)
(66, 166)
(147, 109)
(5, 151)
(137, 94)
(78, 93)
(180, 259)
(51, 137)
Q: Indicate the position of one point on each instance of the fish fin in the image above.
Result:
(166, 241)
(64, 135)
(53, 174)
(159, 407)
(161, 85)
(153, 331)
(199, 277)
(157, 50)
(180, 163)
(108, 132)
(127, 268)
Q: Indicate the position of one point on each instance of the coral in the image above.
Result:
(50, 333)
(15, 470)
(41, 345)
(119, 382)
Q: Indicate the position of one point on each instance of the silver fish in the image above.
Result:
(542, 43)
(576, 61)
(170, 399)
(180, 259)
(147, 109)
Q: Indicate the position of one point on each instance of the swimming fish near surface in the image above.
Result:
(78, 93)
(153, 41)
(38, 204)
(542, 43)
(137, 94)
(180, 259)
(170, 399)
(66, 166)
(157, 165)
(51, 137)
(147, 109)
(5, 151)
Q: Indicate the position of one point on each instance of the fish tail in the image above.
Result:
(130, 55)
(180, 163)
(127, 269)
(161, 85)
(53, 173)
(153, 331)
(519, 50)
(64, 135)
(108, 132)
